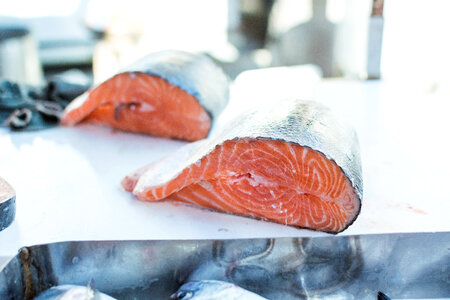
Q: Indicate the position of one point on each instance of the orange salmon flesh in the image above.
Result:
(266, 179)
(141, 103)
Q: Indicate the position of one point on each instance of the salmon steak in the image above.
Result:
(296, 163)
(171, 94)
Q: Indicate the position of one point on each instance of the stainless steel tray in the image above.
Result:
(415, 265)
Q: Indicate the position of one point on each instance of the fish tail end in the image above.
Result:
(128, 183)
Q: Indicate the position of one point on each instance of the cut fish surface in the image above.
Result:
(297, 164)
(168, 94)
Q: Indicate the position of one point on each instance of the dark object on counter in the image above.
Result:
(7, 204)
(382, 296)
(406, 265)
(25, 107)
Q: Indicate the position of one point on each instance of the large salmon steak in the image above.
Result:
(295, 163)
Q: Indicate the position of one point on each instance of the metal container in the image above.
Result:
(19, 57)
(7, 204)
(413, 265)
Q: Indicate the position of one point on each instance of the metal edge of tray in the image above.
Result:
(401, 265)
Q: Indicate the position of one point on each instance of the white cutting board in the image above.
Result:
(68, 179)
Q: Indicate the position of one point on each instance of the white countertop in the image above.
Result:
(68, 179)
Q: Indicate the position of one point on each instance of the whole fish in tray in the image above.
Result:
(171, 94)
(72, 292)
(402, 266)
(213, 290)
(294, 163)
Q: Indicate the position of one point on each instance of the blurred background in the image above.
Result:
(357, 39)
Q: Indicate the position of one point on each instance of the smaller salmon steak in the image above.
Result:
(168, 94)
(295, 164)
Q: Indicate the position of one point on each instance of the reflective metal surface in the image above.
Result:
(7, 204)
(413, 265)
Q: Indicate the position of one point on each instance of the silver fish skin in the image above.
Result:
(306, 123)
(213, 289)
(383, 296)
(196, 74)
(72, 292)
